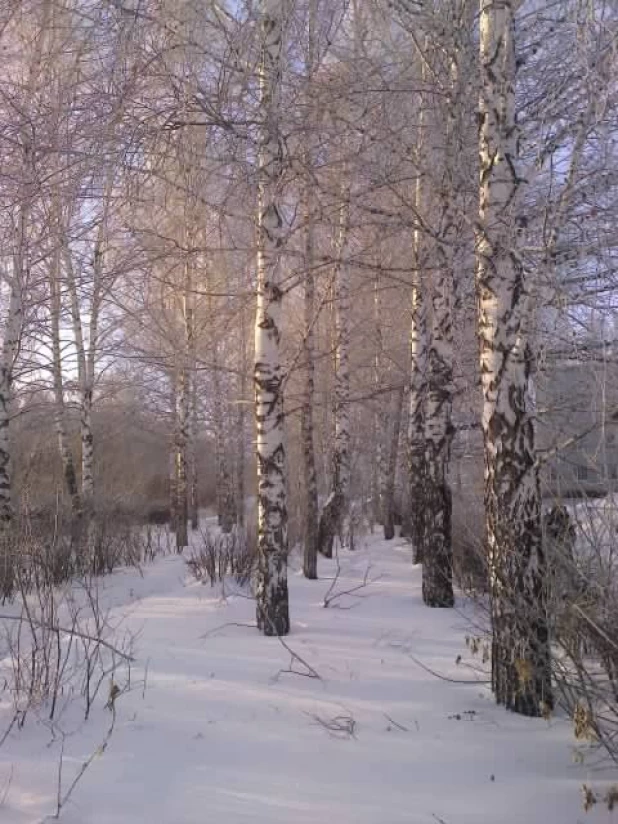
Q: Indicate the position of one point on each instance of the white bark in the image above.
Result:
(440, 289)
(335, 511)
(271, 585)
(379, 468)
(182, 437)
(66, 454)
(390, 474)
(10, 347)
(520, 655)
(438, 430)
(241, 435)
(86, 357)
(418, 387)
(173, 459)
(16, 279)
(192, 453)
(225, 501)
(311, 506)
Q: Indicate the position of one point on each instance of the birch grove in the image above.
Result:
(273, 274)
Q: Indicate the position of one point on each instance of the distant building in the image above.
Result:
(578, 426)
(577, 430)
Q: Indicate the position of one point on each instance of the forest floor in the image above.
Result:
(214, 727)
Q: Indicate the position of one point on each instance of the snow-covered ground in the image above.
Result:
(217, 732)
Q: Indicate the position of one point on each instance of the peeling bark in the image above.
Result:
(311, 506)
(241, 434)
(437, 549)
(416, 423)
(388, 497)
(271, 580)
(520, 649)
(192, 454)
(10, 347)
(335, 511)
(182, 438)
(226, 508)
(66, 454)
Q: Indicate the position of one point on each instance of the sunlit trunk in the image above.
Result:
(226, 507)
(271, 578)
(192, 454)
(520, 649)
(437, 546)
(66, 454)
(10, 346)
(335, 510)
(388, 495)
(241, 435)
(416, 421)
(311, 507)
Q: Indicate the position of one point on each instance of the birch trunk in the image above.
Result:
(438, 548)
(182, 438)
(388, 502)
(271, 584)
(335, 510)
(10, 347)
(418, 357)
(192, 454)
(241, 426)
(16, 281)
(520, 648)
(86, 363)
(226, 507)
(416, 420)
(173, 460)
(311, 506)
(66, 455)
(437, 545)
(184, 391)
(379, 473)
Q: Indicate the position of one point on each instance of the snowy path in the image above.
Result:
(217, 737)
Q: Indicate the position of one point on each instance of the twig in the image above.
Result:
(294, 656)
(445, 677)
(330, 598)
(341, 726)
(7, 787)
(61, 799)
(395, 724)
(7, 732)
(70, 632)
(145, 678)
(228, 624)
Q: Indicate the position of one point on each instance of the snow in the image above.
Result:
(217, 733)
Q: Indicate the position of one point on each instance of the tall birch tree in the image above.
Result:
(271, 585)
(520, 645)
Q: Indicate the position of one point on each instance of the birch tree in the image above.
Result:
(418, 388)
(16, 270)
(311, 505)
(520, 645)
(271, 585)
(335, 510)
(447, 205)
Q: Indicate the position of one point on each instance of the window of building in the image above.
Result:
(582, 473)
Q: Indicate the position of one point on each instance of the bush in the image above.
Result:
(469, 558)
(221, 554)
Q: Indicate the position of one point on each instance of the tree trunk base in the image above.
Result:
(521, 681)
(273, 618)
